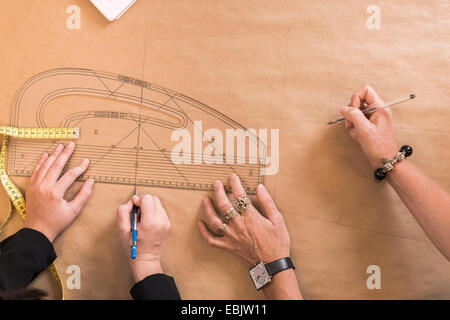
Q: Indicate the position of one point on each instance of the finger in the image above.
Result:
(48, 163)
(268, 205)
(212, 220)
(236, 186)
(387, 111)
(369, 95)
(55, 170)
(356, 101)
(382, 113)
(123, 218)
(352, 133)
(160, 209)
(83, 195)
(148, 210)
(212, 240)
(136, 200)
(238, 191)
(38, 166)
(356, 117)
(222, 201)
(70, 176)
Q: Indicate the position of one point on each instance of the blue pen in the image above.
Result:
(134, 218)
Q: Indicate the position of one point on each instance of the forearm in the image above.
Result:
(284, 286)
(426, 200)
(23, 256)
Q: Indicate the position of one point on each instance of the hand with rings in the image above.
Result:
(244, 231)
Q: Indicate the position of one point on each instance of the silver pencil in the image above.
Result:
(372, 109)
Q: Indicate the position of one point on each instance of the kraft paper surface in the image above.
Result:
(287, 65)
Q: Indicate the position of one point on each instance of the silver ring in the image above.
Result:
(222, 228)
(242, 204)
(230, 214)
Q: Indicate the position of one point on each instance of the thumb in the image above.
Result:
(356, 117)
(83, 195)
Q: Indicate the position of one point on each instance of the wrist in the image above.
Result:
(278, 278)
(144, 268)
(397, 171)
(47, 233)
(391, 163)
(274, 255)
(283, 285)
(377, 162)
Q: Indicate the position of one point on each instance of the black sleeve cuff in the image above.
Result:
(155, 287)
(22, 257)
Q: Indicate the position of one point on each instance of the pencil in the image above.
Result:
(372, 109)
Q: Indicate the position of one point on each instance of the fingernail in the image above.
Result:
(91, 181)
(71, 144)
(135, 197)
(59, 147)
(44, 155)
(260, 187)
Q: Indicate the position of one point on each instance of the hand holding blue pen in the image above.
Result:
(146, 213)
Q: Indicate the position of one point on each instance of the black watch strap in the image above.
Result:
(279, 265)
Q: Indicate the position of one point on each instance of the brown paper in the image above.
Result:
(286, 65)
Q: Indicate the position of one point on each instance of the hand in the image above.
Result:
(47, 211)
(374, 134)
(153, 228)
(249, 236)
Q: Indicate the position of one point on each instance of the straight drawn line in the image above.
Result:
(112, 93)
(85, 116)
(104, 84)
(212, 142)
(154, 142)
(140, 113)
(355, 227)
(157, 146)
(112, 148)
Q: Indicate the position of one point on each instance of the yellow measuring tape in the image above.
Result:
(16, 197)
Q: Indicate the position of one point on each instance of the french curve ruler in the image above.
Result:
(17, 200)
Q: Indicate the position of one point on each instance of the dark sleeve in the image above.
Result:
(155, 287)
(22, 257)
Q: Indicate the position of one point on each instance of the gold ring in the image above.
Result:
(243, 203)
(230, 214)
(222, 228)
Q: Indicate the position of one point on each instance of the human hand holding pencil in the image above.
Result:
(375, 134)
(153, 228)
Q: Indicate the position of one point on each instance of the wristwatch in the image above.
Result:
(261, 274)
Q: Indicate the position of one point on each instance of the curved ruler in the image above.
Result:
(16, 197)
(108, 107)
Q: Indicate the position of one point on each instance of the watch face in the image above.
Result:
(259, 275)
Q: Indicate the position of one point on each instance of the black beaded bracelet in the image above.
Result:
(388, 164)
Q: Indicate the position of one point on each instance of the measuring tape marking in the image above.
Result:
(41, 133)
